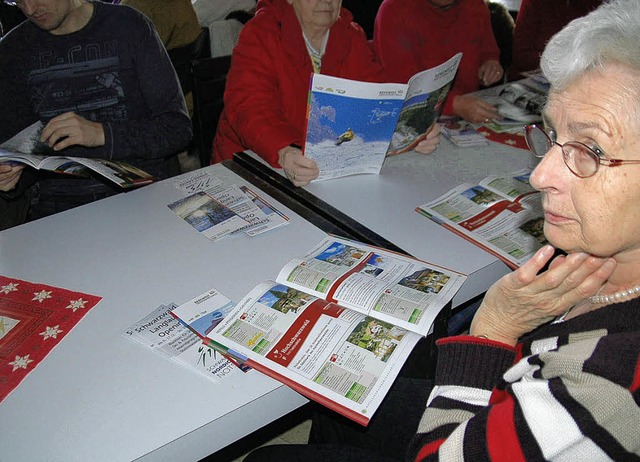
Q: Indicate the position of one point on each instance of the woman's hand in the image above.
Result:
(9, 176)
(299, 169)
(431, 140)
(490, 72)
(70, 129)
(523, 300)
(474, 109)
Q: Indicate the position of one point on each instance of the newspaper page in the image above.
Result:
(165, 335)
(385, 285)
(341, 358)
(352, 126)
(26, 148)
(503, 215)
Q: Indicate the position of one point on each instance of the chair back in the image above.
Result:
(182, 57)
(209, 79)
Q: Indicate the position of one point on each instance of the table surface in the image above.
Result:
(99, 396)
(385, 203)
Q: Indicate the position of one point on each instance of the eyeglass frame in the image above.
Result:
(598, 157)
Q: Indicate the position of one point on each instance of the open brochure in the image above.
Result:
(26, 148)
(502, 215)
(352, 126)
(338, 324)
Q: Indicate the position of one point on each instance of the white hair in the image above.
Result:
(611, 33)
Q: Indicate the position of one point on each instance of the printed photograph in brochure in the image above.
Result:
(207, 215)
(338, 324)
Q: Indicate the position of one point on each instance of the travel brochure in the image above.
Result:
(165, 335)
(501, 214)
(217, 210)
(336, 325)
(352, 126)
(27, 149)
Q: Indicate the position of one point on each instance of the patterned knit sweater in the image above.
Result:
(568, 391)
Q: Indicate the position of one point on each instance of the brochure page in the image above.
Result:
(503, 215)
(386, 285)
(338, 357)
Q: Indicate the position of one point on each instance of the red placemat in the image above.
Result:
(34, 318)
(510, 139)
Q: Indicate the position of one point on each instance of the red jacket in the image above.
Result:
(413, 35)
(268, 83)
(536, 23)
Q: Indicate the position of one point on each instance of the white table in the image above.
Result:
(385, 204)
(99, 396)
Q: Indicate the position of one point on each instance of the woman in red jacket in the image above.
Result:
(414, 35)
(268, 83)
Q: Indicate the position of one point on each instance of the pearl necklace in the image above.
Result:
(616, 296)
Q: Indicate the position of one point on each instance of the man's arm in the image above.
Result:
(167, 127)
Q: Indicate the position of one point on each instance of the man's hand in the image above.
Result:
(9, 176)
(523, 300)
(299, 169)
(70, 129)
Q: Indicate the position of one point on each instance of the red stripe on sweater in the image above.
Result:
(636, 377)
(429, 449)
(502, 438)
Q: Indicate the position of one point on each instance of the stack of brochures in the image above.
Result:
(216, 210)
(461, 133)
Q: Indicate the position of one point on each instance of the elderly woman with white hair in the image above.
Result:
(551, 367)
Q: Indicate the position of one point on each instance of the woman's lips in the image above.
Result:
(555, 219)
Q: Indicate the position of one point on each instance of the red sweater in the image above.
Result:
(413, 35)
(536, 23)
(268, 84)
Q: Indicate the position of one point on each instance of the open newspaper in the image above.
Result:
(338, 324)
(352, 126)
(502, 215)
(26, 148)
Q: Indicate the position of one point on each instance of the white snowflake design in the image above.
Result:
(77, 304)
(21, 362)
(51, 332)
(11, 287)
(42, 295)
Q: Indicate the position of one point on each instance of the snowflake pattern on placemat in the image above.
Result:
(34, 318)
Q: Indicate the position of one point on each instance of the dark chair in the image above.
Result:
(209, 79)
(182, 57)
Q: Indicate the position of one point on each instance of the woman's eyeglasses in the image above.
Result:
(579, 158)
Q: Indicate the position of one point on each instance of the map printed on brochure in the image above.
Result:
(165, 335)
(217, 210)
(34, 318)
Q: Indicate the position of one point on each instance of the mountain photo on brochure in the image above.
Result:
(353, 126)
